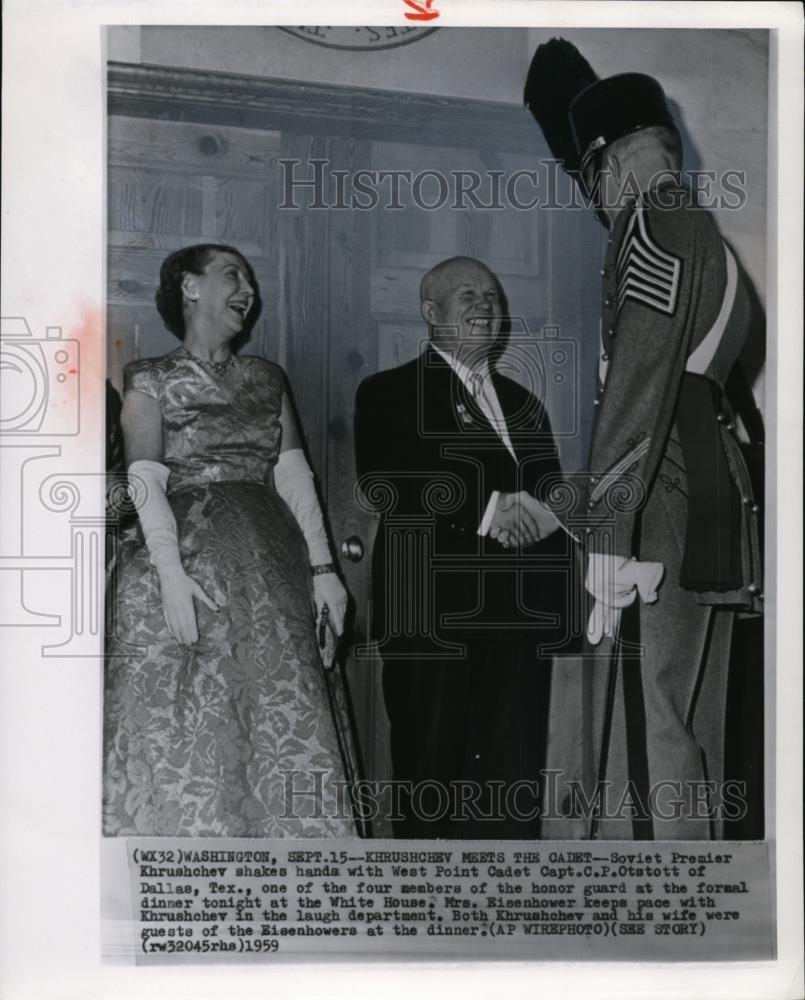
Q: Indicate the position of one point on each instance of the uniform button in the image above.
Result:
(589, 531)
(720, 418)
(590, 504)
(596, 402)
(730, 426)
(747, 501)
(755, 508)
(603, 270)
(605, 357)
(607, 302)
(753, 588)
(593, 480)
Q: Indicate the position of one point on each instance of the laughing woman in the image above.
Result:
(215, 703)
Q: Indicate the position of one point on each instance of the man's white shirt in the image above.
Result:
(479, 385)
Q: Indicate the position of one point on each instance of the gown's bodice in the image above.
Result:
(214, 431)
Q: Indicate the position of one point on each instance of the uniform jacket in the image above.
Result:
(675, 316)
(427, 462)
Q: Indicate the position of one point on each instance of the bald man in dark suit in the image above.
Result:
(470, 576)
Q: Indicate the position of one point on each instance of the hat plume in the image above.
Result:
(558, 72)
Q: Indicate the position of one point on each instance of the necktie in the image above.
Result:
(483, 393)
(476, 387)
(480, 393)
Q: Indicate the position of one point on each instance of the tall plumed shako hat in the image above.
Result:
(614, 107)
(580, 114)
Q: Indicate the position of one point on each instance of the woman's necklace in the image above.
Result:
(217, 369)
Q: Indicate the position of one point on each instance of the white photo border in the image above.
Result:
(54, 274)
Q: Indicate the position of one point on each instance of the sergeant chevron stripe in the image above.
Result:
(646, 273)
(624, 463)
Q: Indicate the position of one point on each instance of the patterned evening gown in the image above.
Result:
(210, 740)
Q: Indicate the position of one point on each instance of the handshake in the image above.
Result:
(613, 581)
(520, 519)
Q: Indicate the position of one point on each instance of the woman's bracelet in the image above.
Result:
(321, 569)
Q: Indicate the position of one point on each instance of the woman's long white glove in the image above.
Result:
(159, 529)
(614, 582)
(294, 481)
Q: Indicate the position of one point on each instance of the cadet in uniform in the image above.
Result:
(666, 507)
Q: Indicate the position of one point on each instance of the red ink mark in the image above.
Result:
(89, 331)
(422, 9)
(72, 371)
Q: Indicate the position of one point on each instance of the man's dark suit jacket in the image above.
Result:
(464, 626)
(428, 461)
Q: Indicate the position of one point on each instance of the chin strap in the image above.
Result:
(294, 482)
(156, 517)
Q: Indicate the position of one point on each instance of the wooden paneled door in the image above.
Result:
(205, 157)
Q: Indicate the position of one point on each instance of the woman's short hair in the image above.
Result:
(193, 260)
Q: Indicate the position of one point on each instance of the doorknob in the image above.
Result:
(352, 548)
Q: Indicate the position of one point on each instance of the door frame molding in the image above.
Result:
(245, 101)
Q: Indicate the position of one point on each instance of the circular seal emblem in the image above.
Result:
(350, 37)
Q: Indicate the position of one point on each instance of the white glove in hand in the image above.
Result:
(614, 582)
(159, 530)
(178, 591)
(646, 576)
(294, 482)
